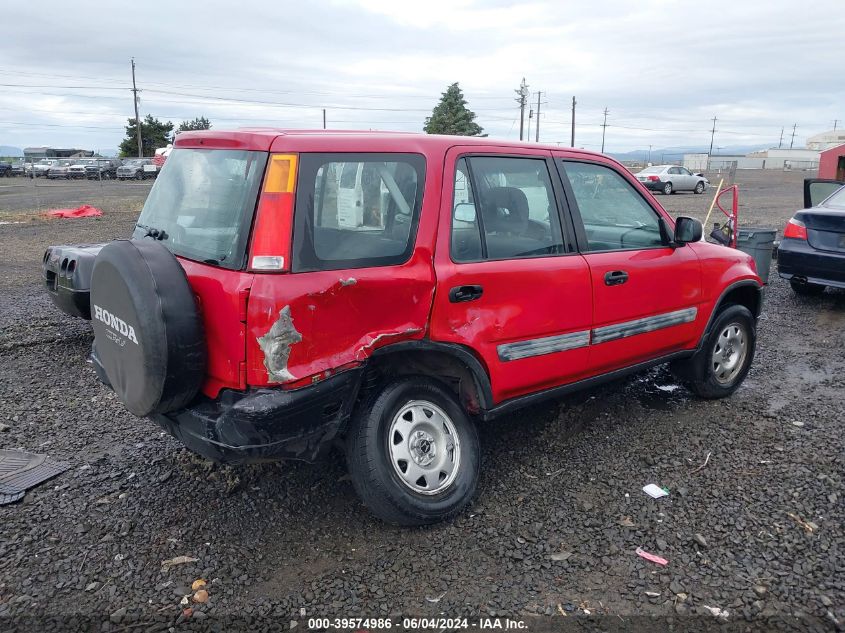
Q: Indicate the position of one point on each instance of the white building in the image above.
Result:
(826, 140)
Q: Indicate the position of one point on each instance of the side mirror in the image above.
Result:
(465, 212)
(687, 230)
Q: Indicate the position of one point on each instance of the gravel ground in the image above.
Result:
(754, 523)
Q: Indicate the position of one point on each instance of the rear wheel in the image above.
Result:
(413, 453)
(699, 187)
(139, 176)
(719, 367)
(667, 189)
(806, 289)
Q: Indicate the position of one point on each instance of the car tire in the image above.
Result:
(718, 368)
(668, 189)
(417, 423)
(806, 289)
(699, 188)
(139, 176)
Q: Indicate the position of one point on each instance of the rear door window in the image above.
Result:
(504, 208)
(356, 210)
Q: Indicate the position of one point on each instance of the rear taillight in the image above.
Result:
(654, 178)
(795, 229)
(271, 235)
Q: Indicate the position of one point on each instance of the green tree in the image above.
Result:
(154, 134)
(200, 123)
(451, 115)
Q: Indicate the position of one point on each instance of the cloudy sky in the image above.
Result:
(662, 68)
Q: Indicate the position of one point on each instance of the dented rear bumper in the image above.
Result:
(266, 424)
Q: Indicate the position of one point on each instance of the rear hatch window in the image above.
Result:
(202, 204)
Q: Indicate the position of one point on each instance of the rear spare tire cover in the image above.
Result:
(147, 329)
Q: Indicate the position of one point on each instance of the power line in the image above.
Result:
(252, 89)
(86, 127)
(64, 87)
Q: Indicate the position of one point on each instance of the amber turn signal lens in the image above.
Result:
(281, 174)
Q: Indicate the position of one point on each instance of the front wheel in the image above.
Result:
(699, 187)
(667, 189)
(719, 367)
(413, 453)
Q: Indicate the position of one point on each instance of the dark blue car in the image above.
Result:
(812, 253)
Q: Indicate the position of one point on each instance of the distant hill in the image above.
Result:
(676, 154)
(8, 150)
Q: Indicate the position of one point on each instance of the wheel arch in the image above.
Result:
(746, 293)
(454, 365)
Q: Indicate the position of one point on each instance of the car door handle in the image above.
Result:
(615, 277)
(459, 294)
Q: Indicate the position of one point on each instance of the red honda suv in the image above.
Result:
(284, 291)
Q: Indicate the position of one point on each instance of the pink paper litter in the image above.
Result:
(85, 211)
(654, 558)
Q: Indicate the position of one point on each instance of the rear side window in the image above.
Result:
(356, 210)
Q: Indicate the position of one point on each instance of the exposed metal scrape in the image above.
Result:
(372, 341)
(276, 346)
(348, 282)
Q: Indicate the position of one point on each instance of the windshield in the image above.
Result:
(837, 200)
(202, 203)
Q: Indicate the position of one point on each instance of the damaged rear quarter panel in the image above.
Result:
(339, 316)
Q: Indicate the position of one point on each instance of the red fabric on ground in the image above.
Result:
(85, 211)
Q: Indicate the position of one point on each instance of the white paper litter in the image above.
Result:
(654, 491)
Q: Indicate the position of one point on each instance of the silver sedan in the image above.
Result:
(668, 179)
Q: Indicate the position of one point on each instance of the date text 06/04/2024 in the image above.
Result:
(415, 623)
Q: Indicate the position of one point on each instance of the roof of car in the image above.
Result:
(263, 137)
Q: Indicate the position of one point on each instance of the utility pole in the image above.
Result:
(649, 154)
(537, 131)
(137, 120)
(780, 142)
(835, 122)
(712, 134)
(603, 130)
(324, 118)
(572, 136)
(521, 99)
(793, 135)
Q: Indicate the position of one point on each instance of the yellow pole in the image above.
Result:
(712, 204)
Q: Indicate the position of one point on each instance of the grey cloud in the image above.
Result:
(663, 65)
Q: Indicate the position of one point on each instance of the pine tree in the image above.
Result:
(451, 115)
(154, 134)
(200, 123)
